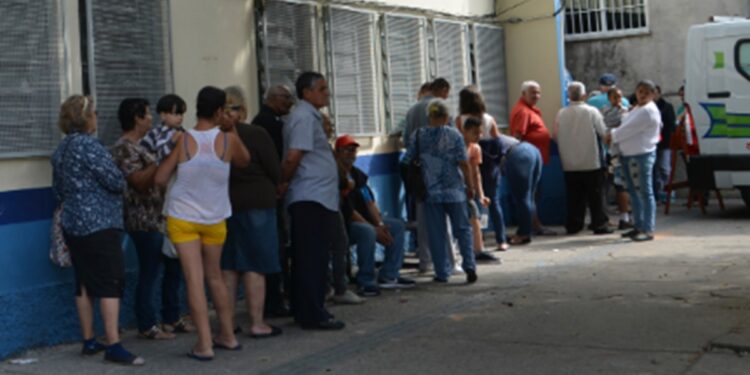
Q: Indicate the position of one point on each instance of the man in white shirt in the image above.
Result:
(577, 130)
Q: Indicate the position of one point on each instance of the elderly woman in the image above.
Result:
(636, 138)
(252, 247)
(471, 104)
(197, 207)
(445, 170)
(90, 186)
(143, 217)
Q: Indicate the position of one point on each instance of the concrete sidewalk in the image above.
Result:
(562, 305)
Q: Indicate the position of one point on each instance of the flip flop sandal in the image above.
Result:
(200, 358)
(218, 345)
(275, 331)
(156, 333)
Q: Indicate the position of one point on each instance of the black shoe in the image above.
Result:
(624, 225)
(604, 230)
(630, 233)
(326, 325)
(486, 257)
(439, 279)
(92, 348)
(471, 276)
(368, 291)
(641, 236)
(280, 311)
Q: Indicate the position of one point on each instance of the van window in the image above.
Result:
(742, 57)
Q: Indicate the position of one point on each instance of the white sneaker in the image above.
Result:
(457, 270)
(348, 298)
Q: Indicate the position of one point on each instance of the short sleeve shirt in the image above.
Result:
(440, 150)
(316, 177)
(143, 210)
(527, 121)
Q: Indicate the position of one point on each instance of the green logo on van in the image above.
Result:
(726, 125)
(718, 60)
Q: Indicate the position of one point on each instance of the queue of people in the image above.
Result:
(275, 205)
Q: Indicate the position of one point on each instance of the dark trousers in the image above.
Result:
(584, 189)
(150, 259)
(314, 230)
(278, 283)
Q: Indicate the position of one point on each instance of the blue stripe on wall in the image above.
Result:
(20, 206)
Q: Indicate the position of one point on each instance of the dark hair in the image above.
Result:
(612, 91)
(130, 109)
(210, 100)
(306, 80)
(472, 122)
(650, 85)
(439, 84)
(427, 86)
(470, 101)
(171, 103)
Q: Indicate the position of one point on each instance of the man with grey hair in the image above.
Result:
(277, 103)
(577, 130)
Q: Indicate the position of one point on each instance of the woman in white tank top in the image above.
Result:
(197, 206)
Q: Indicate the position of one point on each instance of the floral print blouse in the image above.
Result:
(87, 182)
(440, 150)
(143, 210)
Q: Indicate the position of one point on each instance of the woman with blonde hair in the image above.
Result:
(90, 188)
(197, 207)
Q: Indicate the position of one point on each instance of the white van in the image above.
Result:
(717, 88)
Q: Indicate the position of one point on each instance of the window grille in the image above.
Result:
(129, 56)
(406, 63)
(489, 57)
(592, 19)
(289, 38)
(353, 83)
(451, 48)
(31, 76)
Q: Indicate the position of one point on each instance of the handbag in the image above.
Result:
(415, 185)
(58, 250)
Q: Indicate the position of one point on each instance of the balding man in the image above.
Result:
(527, 125)
(577, 130)
(277, 102)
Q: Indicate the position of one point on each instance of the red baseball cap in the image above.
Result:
(345, 140)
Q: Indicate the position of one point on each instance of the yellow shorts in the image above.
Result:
(181, 231)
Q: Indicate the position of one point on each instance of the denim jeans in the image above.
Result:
(662, 168)
(492, 191)
(437, 227)
(523, 169)
(150, 258)
(641, 198)
(363, 235)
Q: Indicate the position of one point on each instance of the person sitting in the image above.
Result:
(367, 226)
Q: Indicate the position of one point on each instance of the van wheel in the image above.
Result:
(745, 192)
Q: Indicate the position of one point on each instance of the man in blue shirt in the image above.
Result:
(606, 82)
(310, 182)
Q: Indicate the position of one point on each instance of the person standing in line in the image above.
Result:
(197, 207)
(471, 104)
(663, 164)
(251, 250)
(472, 128)
(613, 115)
(526, 124)
(160, 141)
(88, 184)
(309, 182)
(417, 119)
(600, 101)
(445, 171)
(277, 103)
(143, 210)
(637, 137)
(577, 130)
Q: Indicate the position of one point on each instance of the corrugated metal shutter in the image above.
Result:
(406, 63)
(131, 56)
(31, 64)
(354, 86)
(289, 42)
(452, 57)
(489, 57)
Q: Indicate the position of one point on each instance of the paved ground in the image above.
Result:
(563, 305)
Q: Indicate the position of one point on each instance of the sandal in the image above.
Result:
(218, 345)
(155, 333)
(200, 358)
(518, 240)
(275, 331)
(180, 326)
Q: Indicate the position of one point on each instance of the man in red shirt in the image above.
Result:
(527, 125)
